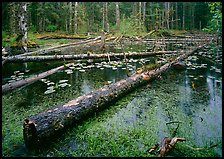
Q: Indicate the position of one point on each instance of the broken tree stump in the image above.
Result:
(41, 128)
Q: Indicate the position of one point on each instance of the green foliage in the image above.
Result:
(215, 24)
(131, 26)
(51, 28)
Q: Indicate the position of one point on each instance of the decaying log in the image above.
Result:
(11, 86)
(44, 127)
(113, 56)
(44, 51)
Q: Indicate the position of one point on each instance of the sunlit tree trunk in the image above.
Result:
(172, 19)
(76, 18)
(23, 25)
(117, 16)
(70, 17)
(107, 21)
(140, 11)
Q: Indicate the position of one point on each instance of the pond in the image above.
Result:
(129, 127)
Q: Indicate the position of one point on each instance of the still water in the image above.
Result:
(192, 96)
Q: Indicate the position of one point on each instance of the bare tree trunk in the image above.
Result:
(168, 16)
(107, 21)
(76, 18)
(172, 19)
(176, 11)
(70, 17)
(103, 19)
(151, 17)
(144, 7)
(22, 39)
(117, 16)
(12, 18)
(192, 15)
(140, 12)
(183, 22)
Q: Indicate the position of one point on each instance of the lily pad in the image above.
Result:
(49, 91)
(50, 83)
(82, 70)
(63, 81)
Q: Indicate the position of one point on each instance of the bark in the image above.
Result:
(44, 127)
(117, 16)
(103, 17)
(70, 17)
(83, 56)
(76, 18)
(183, 22)
(22, 38)
(107, 21)
(12, 18)
(140, 12)
(176, 11)
(11, 86)
(144, 7)
(49, 50)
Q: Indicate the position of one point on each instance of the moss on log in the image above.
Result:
(43, 127)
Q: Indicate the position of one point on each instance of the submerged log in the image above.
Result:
(46, 126)
(84, 56)
(11, 86)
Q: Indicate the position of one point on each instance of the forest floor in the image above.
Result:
(59, 37)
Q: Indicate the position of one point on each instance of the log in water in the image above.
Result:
(44, 127)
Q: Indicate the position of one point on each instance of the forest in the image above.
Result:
(117, 79)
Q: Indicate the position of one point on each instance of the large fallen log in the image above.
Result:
(42, 128)
(46, 50)
(83, 56)
(11, 86)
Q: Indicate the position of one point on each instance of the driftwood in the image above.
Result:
(44, 127)
(11, 86)
(83, 56)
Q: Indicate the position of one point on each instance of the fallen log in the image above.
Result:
(44, 127)
(83, 56)
(11, 86)
(44, 51)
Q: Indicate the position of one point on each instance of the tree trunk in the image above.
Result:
(176, 11)
(117, 16)
(70, 17)
(49, 50)
(22, 38)
(107, 21)
(183, 22)
(12, 18)
(83, 56)
(11, 86)
(140, 12)
(144, 7)
(42, 128)
(151, 17)
(103, 17)
(76, 18)
(167, 15)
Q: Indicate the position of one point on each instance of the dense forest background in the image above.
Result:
(123, 17)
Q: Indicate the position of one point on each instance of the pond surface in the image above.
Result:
(130, 126)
